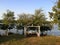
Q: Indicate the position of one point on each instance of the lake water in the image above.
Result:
(54, 31)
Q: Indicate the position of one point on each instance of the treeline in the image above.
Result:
(38, 18)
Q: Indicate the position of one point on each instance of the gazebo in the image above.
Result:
(37, 32)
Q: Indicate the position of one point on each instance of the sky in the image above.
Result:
(26, 6)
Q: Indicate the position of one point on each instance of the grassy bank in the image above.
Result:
(21, 40)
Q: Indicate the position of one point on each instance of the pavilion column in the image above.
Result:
(38, 34)
(6, 32)
(25, 31)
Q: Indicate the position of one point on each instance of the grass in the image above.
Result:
(16, 39)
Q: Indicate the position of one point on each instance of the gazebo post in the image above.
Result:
(38, 34)
(24, 31)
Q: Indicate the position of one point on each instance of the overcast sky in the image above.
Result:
(27, 6)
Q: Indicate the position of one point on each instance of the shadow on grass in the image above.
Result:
(10, 37)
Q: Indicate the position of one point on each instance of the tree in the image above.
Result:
(38, 17)
(55, 15)
(8, 17)
(24, 19)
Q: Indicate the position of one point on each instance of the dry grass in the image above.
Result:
(21, 40)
